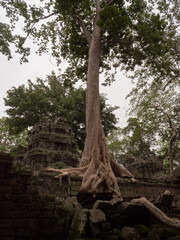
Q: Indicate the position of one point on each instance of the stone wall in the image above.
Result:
(32, 207)
(27, 210)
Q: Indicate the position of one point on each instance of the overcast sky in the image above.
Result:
(12, 73)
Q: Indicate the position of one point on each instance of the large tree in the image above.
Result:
(159, 112)
(94, 36)
(51, 98)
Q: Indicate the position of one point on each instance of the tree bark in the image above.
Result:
(171, 144)
(99, 177)
(174, 223)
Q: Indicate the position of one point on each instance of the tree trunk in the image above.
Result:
(99, 177)
(172, 141)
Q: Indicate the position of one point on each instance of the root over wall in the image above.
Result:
(30, 205)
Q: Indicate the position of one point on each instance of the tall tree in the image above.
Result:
(95, 35)
(159, 112)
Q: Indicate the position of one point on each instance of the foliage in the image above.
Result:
(165, 67)
(11, 143)
(132, 34)
(140, 138)
(118, 144)
(5, 39)
(49, 99)
(159, 111)
(135, 139)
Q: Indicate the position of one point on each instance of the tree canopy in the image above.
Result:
(131, 32)
(48, 99)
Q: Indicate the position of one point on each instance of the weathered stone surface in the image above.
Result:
(96, 216)
(51, 144)
(38, 208)
(71, 200)
(105, 205)
(79, 222)
(145, 168)
(118, 221)
(135, 214)
(106, 226)
(102, 205)
(64, 211)
(164, 201)
(129, 233)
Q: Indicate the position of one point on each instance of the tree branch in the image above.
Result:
(86, 32)
(45, 17)
(98, 7)
(167, 115)
(109, 3)
(170, 80)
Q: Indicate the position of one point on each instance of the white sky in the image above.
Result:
(12, 73)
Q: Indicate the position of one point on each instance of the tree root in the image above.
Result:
(95, 177)
(98, 179)
(162, 217)
(66, 173)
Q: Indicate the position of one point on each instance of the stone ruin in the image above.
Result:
(150, 168)
(51, 145)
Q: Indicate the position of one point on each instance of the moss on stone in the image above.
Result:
(64, 211)
(142, 229)
(49, 197)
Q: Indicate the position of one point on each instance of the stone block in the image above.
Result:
(95, 229)
(102, 205)
(118, 221)
(21, 223)
(34, 206)
(2, 197)
(79, 223)
(129, 233)
(49, 197)
(5, 166)
(9, 232)
(5, 223)
(71, 200)
(47, 222)
(37, 198)
(64, 211)
(25, 198)
(47, 214)
(6, 189)
(60, 221)
(6, 214)
(34, 214)
(10, 197)
(32, 190)
(19, 189)
(48, 206)
(105, 227)
(96, 216)
(20, 206)
(19, 214)
(8, 205)
(7, 238)
(24, 232)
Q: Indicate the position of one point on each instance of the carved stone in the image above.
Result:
(51, 144)
(145, 168)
